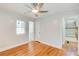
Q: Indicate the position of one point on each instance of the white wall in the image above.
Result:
(8, 37)
(51, 31)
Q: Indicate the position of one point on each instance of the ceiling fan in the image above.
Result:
(36, 8)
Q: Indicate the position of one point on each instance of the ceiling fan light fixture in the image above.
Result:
(35, 11)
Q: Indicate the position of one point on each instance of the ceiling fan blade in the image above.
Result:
(37, 5)
(34, 5)
(43, 11)
(40, 5)
(29, 7)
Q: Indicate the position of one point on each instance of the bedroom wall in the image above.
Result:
(8, 37)
(50, 31)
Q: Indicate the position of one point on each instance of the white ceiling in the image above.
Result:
(53, 8)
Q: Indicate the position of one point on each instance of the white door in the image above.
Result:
(31, 30)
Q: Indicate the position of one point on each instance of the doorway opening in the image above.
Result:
(70, 36)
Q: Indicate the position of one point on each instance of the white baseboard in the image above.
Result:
(48, 44)
(4, 49)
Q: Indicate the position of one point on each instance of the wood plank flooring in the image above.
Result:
(33, 48)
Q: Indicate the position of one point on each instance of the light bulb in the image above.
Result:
(35, 11)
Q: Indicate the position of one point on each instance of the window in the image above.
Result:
(20, 27)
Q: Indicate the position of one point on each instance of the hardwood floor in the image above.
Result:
(33, 48)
